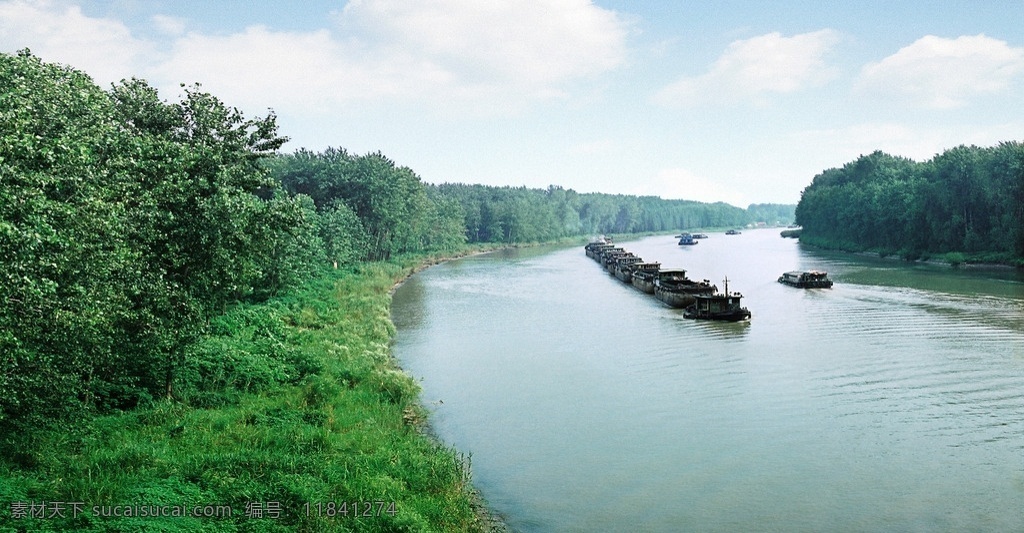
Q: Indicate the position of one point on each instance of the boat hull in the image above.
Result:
(823, 284)
(677, 298)
(732, 315)
(645, 285)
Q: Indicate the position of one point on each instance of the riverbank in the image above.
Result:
(486, 519)
(293, 414)
(979, 260)
(416, 263)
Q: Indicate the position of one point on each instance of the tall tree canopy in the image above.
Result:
(125, 223)
(965, 200)
(372, 204)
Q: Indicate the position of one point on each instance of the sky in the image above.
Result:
(734, 101)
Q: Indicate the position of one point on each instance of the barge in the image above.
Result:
(644, 275)
(625, 265)
(675, 289)
(811, 279)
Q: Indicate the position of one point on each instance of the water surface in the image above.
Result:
(894, 401)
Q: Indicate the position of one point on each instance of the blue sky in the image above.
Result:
(742, 102)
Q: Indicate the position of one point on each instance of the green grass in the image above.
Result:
(295, 401)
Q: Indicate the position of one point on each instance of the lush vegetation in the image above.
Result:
(125, 223)
(154, 347)
(518, 214)
(399, 214)
(966, 204)
(372, 208)
(191, 317)
(292, 401)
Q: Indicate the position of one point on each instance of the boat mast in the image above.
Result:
(727, 285)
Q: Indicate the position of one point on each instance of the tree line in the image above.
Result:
(519, 214)
(967, 201)
(127, 222)
(383, 209)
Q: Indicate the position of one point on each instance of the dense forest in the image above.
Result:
(518, 214)
(382, 209)
(172, 330)
(964, 204)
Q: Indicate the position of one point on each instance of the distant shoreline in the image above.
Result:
(966, 264)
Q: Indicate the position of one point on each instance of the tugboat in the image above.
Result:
(675, 289)
(733, 232)
(686, 239)
(813, 279)
(718, 307)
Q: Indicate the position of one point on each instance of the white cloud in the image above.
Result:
(847, 143)
(532, 43)
(753, 67)
(169, 25)
(837, 146)
(454, 56)
(598, 146)
(260, 68)
(60, 33)
(945, 73)
(683, 184)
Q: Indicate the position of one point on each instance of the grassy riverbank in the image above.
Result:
(293, 410)
(956, 259)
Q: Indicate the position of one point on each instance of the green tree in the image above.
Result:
(204, 232)
(125, 223)
(965, 200)
(62, 239)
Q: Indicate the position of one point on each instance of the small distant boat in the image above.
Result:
(686, 239)
(718, 306)
(732, 232)
(812, 279)
(700, 235)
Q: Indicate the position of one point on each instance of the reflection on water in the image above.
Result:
(894, 401)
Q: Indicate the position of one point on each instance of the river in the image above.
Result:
(891, 402)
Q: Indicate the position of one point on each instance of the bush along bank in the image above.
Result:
(292, 415)
(953, 259)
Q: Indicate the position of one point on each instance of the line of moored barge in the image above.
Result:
(698, 299)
